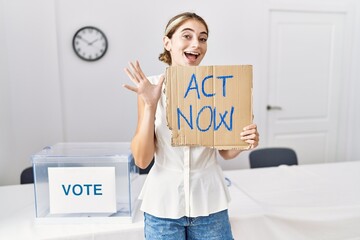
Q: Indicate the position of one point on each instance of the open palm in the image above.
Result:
(150, 93)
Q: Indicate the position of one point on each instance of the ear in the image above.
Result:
(167, 43)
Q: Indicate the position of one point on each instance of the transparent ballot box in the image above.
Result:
(86, 181)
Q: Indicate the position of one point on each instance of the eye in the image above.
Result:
(187, 36)
(203, 39)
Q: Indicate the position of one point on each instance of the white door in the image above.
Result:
(305, 81)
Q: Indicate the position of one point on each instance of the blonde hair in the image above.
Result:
(173, 24)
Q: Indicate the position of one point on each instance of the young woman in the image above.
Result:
(184, 195)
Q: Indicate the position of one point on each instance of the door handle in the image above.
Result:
(269, 107)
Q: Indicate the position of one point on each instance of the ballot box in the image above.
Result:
(86, 181)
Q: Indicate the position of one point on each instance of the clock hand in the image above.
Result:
(84, 40)
(91, 43)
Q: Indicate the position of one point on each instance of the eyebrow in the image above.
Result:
(192, 30)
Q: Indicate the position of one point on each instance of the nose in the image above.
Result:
(195, 43)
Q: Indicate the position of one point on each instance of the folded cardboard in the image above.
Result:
(209, 105)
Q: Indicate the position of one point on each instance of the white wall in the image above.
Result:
(4, 101)
(49, 95)
(30, 97)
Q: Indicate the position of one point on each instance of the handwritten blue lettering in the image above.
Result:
(210, 120)
(224, 78)
(179, 113)
(193, 79)
(203, 87)
(222, 119)
(213, 114)
(193, 85)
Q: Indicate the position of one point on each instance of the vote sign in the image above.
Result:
(82, 190)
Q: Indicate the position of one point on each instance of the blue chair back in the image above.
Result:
(272, 157)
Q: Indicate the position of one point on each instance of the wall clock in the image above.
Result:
(90, 43)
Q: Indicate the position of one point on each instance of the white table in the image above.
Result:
(17, 221)
(308, 202)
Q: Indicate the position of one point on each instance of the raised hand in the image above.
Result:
(150, 93)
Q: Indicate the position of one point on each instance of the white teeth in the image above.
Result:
(193, 53)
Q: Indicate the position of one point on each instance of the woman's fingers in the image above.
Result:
(131, 88)
(136, 72)
(131, 76)
(149, 92)
(252, 146)
(140, 71)
(251, 126)
(250, 135)
(250, 129)
(253, 142)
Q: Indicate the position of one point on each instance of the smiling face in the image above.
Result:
(188, 44)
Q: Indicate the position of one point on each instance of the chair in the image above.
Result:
(27, 176)
(272, 157)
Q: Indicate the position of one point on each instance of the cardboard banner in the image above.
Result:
(209, 105)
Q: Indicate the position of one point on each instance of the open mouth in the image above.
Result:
(192, 56)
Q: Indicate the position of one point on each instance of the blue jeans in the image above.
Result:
(213, 227)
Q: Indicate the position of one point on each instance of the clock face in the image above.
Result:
(90, 43)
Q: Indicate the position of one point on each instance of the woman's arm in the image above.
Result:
(249, 135)
(143, 142)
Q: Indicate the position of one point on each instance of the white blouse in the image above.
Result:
(184, 181)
